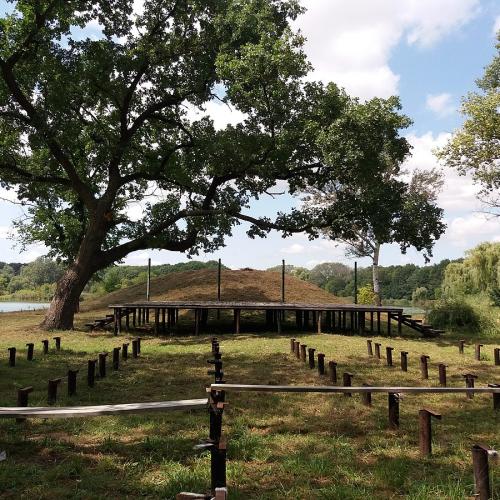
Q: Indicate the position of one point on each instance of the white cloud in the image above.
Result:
(441, 104)
(294, 248)
(472, 229)
(219, 112)
(496, 26)
(459, 192)
(350, 43)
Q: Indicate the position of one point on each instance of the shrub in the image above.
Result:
(453, 313)
(366, 295)
(495, 296)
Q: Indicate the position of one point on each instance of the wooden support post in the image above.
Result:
(371, 321)
(425, 431)
(311, 352)
(314, 320)
(389, 323)
(306, 320)
(12, 356)
(496, 355)
(344, 321)
(297, 349)
(366, 397)
(469, 382)
(347, 382)
(404, 361)
(116, 358)
(147, 314)
(127, 319)
(125, 350)
(442, 374)
(332, 368)
(369, 347)
(91, 372)
(328, 321)
(22, 399)
(400, 322)
(321, 363)
(480, 467)
(333, 321)
(237, 321)
(45, 344)
(478, 351)
(52, 390)
(292, 345)
(278, 321)
(157, 321)
(424, 369)
(461, 344)
(303, 352)
(379, 326)
(139, 345)
(134, 317)
(102, 364)
(388, 354)
(119, 321)
(196, 321)
(135, 348)
(393, 410)
(496, 397)
(115, 322)
(58, 343)
(29, 354)
(163, 322)
(377, 350)
(320, 317)
(352, 325)
(72, 382)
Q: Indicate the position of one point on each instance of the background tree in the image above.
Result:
(392, 210)
(475, 147)
(87, 126)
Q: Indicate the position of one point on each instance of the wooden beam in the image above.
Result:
(93, 411)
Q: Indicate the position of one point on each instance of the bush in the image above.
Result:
(495, 296)
(366, 295)
(454, 313)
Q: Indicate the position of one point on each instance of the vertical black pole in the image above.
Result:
(283, 280)
(355, 282)
(148, 285)
(219, 273)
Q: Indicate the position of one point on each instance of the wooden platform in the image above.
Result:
(321, 317)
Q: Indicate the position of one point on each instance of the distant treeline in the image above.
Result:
(397, 282)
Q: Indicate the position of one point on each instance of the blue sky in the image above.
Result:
(430, 52)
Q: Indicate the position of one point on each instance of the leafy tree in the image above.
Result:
(41, 271)
(475, 147)
(420, 296)
(393, 211)
(86, 126)
(366, 295)
(301, 273)
(326, 272)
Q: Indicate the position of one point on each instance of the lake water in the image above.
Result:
(22, 306)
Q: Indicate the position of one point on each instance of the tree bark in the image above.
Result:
(61, 312)
(375, 274)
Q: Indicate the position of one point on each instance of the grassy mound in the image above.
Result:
(246, 285)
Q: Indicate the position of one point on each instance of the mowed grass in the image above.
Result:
(279, 445)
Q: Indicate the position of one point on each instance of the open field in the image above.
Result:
(300, 446)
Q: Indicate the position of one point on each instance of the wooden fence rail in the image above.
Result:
(93, 411)
(334, 389)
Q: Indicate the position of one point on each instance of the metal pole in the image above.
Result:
(355, 282)
(148, 285)
(283, 280)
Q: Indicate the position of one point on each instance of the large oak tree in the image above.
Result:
(88, 126)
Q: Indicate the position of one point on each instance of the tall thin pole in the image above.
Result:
(218, 279)
(355, 282)
(219, 271)
(148, 285)
(283, 280)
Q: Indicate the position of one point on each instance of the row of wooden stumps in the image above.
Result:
(165, 318)
(480, 453)
(477, 352)
(216, 443)
(374, 350)
(96, 368)
(30, 352)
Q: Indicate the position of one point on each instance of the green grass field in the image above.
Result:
(279, 445)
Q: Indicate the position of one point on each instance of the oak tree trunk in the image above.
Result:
(66, 298)
(375, 275)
